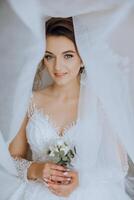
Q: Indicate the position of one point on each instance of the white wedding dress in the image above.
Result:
(104, 185)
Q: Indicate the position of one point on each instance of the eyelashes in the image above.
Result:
(47, 57)
(66, 56)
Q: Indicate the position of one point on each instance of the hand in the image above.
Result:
(53, 173)
(65, 190)
(48, 172)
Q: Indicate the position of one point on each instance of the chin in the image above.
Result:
(62, 82)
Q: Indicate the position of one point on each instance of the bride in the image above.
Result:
(53, 113)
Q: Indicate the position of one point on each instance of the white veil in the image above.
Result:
(104, 36)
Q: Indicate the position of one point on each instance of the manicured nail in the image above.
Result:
(65, 173)
(68, 170)
(45, 179)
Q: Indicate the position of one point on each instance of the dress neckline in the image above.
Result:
(35, 110)
(53, 125)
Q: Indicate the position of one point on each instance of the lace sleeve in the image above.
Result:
(22, 166)
(31, 106)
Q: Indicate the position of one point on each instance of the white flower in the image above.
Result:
(52, 154)
(61, 151)
(53, 148)
(65, 149)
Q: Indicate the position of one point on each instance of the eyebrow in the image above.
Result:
(69, 51)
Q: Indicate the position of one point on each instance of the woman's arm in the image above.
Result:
(33, 170)
(18, 149)
(19, 146)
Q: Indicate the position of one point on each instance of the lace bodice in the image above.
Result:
(41, 130)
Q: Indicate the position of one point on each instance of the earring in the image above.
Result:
(82, 74)
(82, 68)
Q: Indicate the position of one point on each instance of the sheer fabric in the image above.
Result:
(22, 166)
(104, 36)
(40, 131)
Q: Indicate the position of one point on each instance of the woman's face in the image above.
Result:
(61, 59)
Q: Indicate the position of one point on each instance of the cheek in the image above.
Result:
(49, 67)
(50, 63)
(74, 68)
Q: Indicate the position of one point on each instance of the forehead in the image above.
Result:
(59, 44)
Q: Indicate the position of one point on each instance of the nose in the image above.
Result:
(58, 64)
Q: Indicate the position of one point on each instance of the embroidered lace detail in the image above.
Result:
(22, 166)
(33, 109)
(55, 127)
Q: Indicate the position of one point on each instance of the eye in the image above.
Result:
(68, 56)
(48, 57)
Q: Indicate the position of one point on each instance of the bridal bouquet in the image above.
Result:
(61, 152)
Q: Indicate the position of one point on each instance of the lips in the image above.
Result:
(60, 74)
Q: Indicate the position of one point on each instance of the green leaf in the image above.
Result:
(62, 153)
(69, 159)
(57, 159)
(65, 144)
(56, 153)
(48, 152)
(75, 149)
(71, 153)
(64, 158)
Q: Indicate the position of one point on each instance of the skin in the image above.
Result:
(60, 57)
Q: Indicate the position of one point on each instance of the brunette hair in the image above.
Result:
(56, 26)
(61, 27)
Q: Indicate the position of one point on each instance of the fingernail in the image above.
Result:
(45, 179)
(67, 182)
(65, 173)
(68, 170)
(69, 179)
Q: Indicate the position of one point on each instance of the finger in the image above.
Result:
(47, 180)
(59, 173)
(72, 174)
(66, 182)
(58, 167)
(59, 178)
(55, 186)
